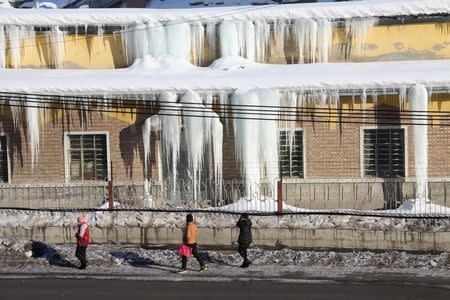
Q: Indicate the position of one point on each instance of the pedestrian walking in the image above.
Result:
(245, 238)
(82, 236)
(190, 239)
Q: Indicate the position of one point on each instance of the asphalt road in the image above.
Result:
(112, 289)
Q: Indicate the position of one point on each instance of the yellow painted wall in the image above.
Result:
(81, 52)
(399, 42)
(393, 42)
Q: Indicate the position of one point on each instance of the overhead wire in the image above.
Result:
(138, 103)
(188, 111)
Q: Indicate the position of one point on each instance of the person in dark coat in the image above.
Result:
(245, 238)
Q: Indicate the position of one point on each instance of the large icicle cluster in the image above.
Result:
(202, 130)
(249, 39)
(200, 42)
(188, 122)
(255, 135)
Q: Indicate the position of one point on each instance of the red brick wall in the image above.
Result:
(331, 151)
(125, 142)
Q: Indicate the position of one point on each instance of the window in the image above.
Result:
(384, 152)
(291, 153)
(87, 157)
(3, 159)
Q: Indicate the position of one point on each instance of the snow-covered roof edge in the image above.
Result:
(120, 17)
(152, 75)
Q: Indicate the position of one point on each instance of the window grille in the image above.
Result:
(88, 157)
(291, 153)
(384, 152)
(3, 159)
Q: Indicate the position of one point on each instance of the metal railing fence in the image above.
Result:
(305, 195)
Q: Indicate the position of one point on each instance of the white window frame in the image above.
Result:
(361, 145)
(303, 149)
(8, 155)
(66, 149)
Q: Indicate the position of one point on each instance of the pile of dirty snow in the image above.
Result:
(216, 220)
(127, 256)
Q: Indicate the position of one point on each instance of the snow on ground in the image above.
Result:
(420, 206)
(13, 255)
(264, 205)
(35, 219)
(326, 10)
(168, 73)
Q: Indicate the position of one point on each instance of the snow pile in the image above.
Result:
(421, 206)
(259, 205)
(225, 75)
(217, 220)
(123, 256)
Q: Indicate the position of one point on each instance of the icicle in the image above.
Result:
(211, 33)
(268, 131)
(195, 135)
(2, 47)
(418, 99)
(217, 142)
(334, 99)
(279, 33)
(229, 43)
(402, 97)
(301, 99)
(289, 103)
(56, 38)
(325, 39)
(16, 110)
(15, 45)
(149, 124)
(197, 40)
(156, 39)
(246, 138)
(224, 102)
(321, 97)
(136, 43)
(241, 37)
(32, 115)
(256, 140)
(249, 33)
(262, 35)
(374, 96)
(363, 98)
(356, 30)
(246, 39)
(141, 44)
(208, 100)
(170, 132)
(178, 40)
(305, 35)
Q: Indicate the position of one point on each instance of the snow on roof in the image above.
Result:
(211, 3)
(329, 10)
(168, 73)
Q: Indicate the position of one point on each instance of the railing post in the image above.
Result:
(110, 190)
(280, 197)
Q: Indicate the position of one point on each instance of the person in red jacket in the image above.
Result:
(82, 236)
